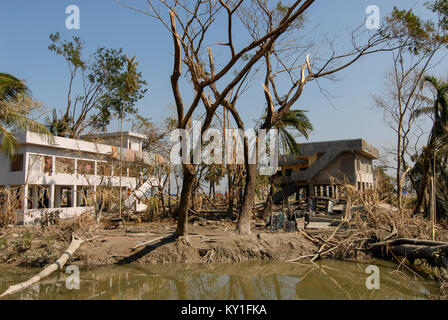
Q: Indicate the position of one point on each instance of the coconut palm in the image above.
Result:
(294, 120)
(13, 116)
(11, 88)
(433, 159)
(298, 122)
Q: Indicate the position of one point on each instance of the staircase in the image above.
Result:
(291, 188)
(138, 194)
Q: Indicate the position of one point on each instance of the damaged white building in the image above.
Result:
(62, 174)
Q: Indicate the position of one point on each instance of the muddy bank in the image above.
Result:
(32, 246)
(255, 247)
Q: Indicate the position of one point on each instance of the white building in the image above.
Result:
(64, 174)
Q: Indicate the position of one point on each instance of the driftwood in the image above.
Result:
(58, 265)
(434, 252)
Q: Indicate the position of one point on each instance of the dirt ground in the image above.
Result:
(213, 241)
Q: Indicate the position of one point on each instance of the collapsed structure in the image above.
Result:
(322, 167)
(62, 174)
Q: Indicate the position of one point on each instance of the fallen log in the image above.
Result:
(433, 252)
(58, 265)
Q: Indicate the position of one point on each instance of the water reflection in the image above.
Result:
(274, 280)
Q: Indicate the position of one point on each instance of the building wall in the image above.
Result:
(6, 176)
(342, 168)
(364, 172)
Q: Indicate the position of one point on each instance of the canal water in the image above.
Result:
(327, 279)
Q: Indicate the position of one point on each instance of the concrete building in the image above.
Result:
(65, 174)
(322, 166)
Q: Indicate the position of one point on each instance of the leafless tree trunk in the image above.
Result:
(403, 98)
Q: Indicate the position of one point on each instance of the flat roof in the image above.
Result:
(309, 148)
(37, 139)
(115, 134)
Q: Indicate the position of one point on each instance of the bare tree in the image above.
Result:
(288, 60)
(190, 24)
(404, 95)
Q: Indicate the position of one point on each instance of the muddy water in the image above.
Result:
(274, 280)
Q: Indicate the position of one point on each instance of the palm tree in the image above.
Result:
(433, 159)
(13, 117)
(58, 127)
(11, 88)
(299, 122)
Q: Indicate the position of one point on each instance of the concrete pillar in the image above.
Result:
(57, 196)
(25, 198)
(74, 196)
(51, 196)
(310, 191)
(35, 196)
(53, 166)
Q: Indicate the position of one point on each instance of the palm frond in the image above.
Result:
(11, 87)
(9, 142)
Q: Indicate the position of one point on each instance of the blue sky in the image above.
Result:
(25, 26)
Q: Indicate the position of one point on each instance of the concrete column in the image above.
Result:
(57, 196)
(53, 166)
(35, 197)
(51, 196)
(310, 191)
(74, 196)
(25, 198)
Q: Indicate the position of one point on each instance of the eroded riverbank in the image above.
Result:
(205, 244)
